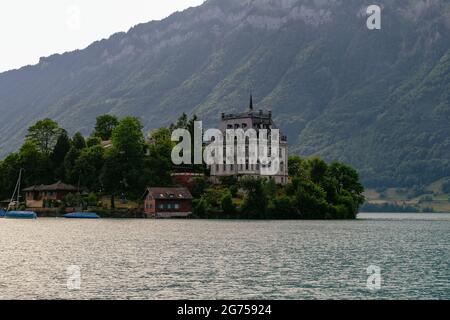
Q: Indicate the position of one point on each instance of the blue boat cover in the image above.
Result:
(82, 215)
(2, 213)
(21, 214)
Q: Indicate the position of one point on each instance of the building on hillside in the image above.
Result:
(168, 202)
(39, 196)
(106, 144)
(251, 120)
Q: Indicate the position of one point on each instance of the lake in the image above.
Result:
(209, 259)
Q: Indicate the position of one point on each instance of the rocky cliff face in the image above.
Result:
(379, 100)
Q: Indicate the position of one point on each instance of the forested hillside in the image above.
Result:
(378, 100)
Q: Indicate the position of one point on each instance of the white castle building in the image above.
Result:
(251, 120)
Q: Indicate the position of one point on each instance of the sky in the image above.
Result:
(30, 29)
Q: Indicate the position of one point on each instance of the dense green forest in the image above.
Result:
(133, 162)
(377, 100)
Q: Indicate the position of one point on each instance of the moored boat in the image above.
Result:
(21, 215)
(14, 204)
(82, 215)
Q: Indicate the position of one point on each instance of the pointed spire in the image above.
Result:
(251, 101)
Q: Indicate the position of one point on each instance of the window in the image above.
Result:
(160, 206)
(177, 206)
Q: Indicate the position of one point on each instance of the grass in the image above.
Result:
(431, 197)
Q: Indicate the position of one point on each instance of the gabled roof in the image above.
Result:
(169, 193)
(59, 186)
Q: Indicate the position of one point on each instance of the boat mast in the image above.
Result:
(17, 189)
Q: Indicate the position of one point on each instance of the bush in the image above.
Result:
(92, 200)
(227, 204)
(199, 208)
(282, 207)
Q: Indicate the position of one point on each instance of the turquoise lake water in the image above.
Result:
(201, 259)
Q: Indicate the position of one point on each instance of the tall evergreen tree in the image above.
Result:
(59, 153)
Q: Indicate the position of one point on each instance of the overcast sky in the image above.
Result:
(30, 29)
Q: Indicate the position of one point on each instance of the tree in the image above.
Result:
(255, 202)
(127, 157)
(59, 152)
(128, 138)
(347, 183)
(318, 169)
(9, 171)
(88, 165)
(310, 200)
(297, 167)
(200, 185)
(78, 141)
(111, 175)
(70, 171)
(182, 123)
(36, 164)
(104, 126)
(93, 141)
(45, 134)
(159, 163)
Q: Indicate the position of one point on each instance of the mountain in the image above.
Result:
(376, 99)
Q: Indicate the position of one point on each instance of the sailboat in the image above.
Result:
(14, 204)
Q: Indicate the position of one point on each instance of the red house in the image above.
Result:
(37, 195)
(168, 202)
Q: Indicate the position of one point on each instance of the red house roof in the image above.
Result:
(169, 193)
(59, 186)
